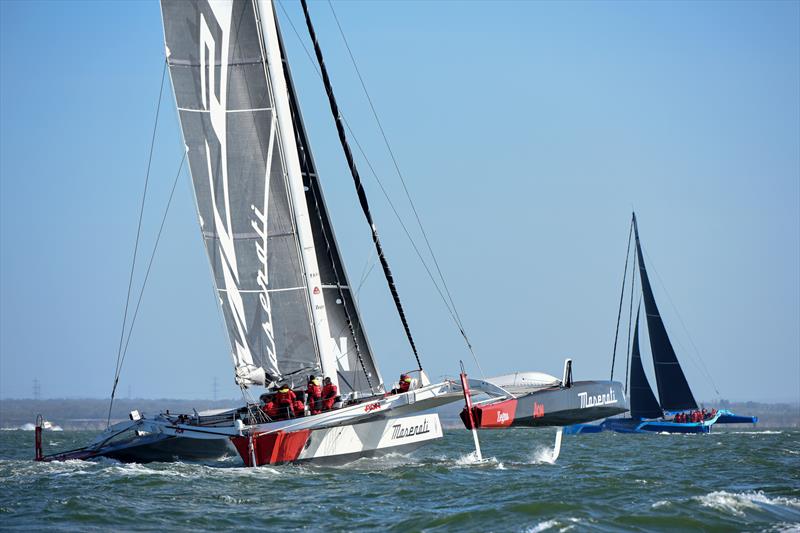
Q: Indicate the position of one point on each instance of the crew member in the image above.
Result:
(329, 394)
(285, 399)
(403, 386)
(314, 394)
(270, 408)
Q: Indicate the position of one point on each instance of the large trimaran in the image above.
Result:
(281, 284)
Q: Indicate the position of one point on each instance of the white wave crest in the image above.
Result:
(31, 427)
(753, 432)
(542, 455)
(471, 459)
(543, 526)
(555, 525)
(737, 503)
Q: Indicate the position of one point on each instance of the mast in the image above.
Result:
(362, 197)
(673, 389)
(643, 401)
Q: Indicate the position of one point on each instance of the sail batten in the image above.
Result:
(673, 389)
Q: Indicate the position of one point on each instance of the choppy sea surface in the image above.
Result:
(728, 480)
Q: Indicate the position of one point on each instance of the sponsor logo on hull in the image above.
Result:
(597, 400)
(401, 431)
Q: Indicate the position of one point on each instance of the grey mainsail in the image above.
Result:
(230, 127)
(281, 282)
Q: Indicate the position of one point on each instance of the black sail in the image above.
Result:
(643, 402)
(355, 363)
(673, 389)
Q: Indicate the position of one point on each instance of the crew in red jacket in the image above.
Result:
(314, 394)
(285, 399)
(270, 408)
(403, 385)
(329, 394)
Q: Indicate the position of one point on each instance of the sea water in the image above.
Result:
(727, 480)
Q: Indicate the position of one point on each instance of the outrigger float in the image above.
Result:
(535, 399)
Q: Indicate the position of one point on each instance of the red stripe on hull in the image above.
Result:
(272, 448)
(495, 415)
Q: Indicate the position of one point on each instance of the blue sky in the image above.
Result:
(526, 132)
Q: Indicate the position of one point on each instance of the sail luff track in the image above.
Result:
(362, 197)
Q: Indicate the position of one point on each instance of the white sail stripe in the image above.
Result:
(189, 63)
(336, 287)
(246, 110)
(249, 235)
(258, 291)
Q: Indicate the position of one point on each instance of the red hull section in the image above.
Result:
(495, 415)
(272, 448)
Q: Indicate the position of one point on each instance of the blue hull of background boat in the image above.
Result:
(580, 429)
(635, 425)
(731, 418)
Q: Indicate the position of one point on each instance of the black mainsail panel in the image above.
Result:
(673, 390)
(239, 170)
(355, 364)
(643, 402)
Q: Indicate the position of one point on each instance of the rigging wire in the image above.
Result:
(144, 285)
(621, 297)
(152, 256)
(630, 319)
(696, 355)
(136, 243)
(402, 180)
(454, 316)
(362, 197)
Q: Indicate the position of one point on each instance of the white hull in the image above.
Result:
(345, 443)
